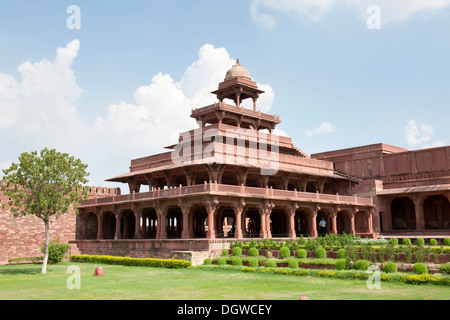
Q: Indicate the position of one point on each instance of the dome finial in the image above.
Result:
(237, 61)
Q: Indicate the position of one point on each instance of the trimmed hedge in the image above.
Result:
(139, 262)
(302, 253)
(390, 267)
(353, 274)
(321, 253)
(341, 264)
(285, 252)
(420, 268)
(253, 252)
(362, 265)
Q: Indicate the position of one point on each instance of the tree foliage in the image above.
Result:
(45, 185)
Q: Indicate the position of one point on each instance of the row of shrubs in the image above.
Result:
(331, 241)
(126, 261)
(349, 274)
(387, 253)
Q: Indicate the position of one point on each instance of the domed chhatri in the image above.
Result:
(238, 71)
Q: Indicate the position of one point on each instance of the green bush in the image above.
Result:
(221, 261)
(321, 253)
(253, 262)
(393, 241)
(236, 261)
(225, 252)
(253, 252)
(406, 241)
(126, 261)
(341, 264)
(445, 268)
(237, 251)
(207, 262)
(420, 268)
(341, 254)
(285, 252)
(390, 267)
(269, 254)
(302, 254)
(293, 263)
(56, 251)
(433, 242)
(447, 242)
(362, 265)
(420, 242)
(271, 264)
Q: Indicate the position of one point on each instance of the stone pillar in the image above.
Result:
(137, 224)
(238, 209)
(211, 206)
(185, 209)
(161, 232)
(99, 224)
(118, 215)
(334, 213)
(313, 222)
(262, 219)
(352, 220)
(291, 222)
(267, 212)
(418, 207)
(369, 216)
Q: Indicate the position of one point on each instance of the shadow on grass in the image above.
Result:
(25, 269)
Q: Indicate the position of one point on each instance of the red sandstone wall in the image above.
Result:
(24, 236)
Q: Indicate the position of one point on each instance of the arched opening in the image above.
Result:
(149, 223)
(323, 222)
(252, 220)
(226, 222)
(109, 225)
(311, 187)
(229, 177)
(301, 223)
(403, 214)
(343, 222)
(127, 225)
(278, 223)
(198, 216)
(174, 222)
(330, 188)
(253, 180)
(436, 210)
(91, 226)
(361, 223)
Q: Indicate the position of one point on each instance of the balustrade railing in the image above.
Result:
(214, 188)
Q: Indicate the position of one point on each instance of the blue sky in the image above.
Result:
(122, 86)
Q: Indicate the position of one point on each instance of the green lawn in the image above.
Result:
(120, 282)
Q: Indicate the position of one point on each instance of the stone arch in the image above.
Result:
(301, 221)
(198, 221)
(326, 215)
(108, 225)
(361, 223)
(225, 221)
(279, 222)
(174, 222)
(343, 222)
(311, 187)
(436, 211)
(149, 223)
(403, 214)
(252, 222)
(128, 224)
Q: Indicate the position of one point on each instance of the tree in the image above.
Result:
(45, 185)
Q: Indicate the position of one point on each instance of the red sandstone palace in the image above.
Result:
(232, 178)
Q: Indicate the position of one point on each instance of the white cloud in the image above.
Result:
(263, 11)
(324, 128)
(41, 103)
(420, 136)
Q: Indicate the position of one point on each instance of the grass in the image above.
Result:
(18, 282)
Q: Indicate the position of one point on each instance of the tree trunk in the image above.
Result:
(47, 243)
